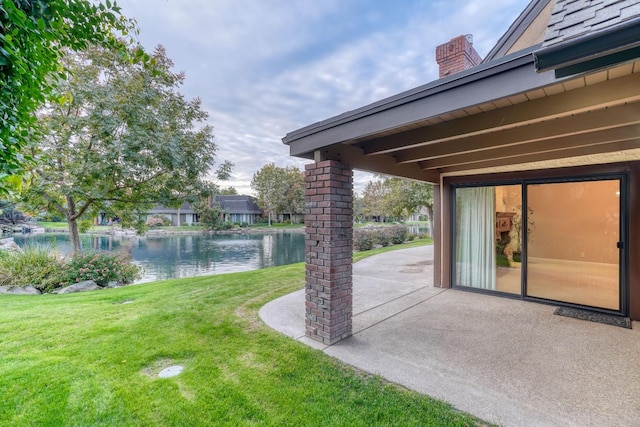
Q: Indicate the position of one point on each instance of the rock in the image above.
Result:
(9, 245)
(87, 285)
(19, 290)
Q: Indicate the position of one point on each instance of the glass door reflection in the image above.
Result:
(573, 230)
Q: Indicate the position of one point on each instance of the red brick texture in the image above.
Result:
(458, 54)
(329, 250)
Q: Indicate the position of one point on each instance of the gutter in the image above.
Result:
(597, 50)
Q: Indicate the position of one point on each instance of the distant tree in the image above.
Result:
(279, 190)
(292, 199)
(405, 197)
(34, 34)
(269, 184)
(8, 212)
(358, 208)
(228, 191)
(211, 216)
(120, 139)
(373, 200)
(397, 197)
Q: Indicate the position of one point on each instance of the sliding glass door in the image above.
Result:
(565, 237)
(486, 225)
(572, 244)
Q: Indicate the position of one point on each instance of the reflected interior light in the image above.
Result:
(617, 194)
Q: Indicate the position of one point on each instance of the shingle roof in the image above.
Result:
(575, 18)
(238, 204)
(185, 208)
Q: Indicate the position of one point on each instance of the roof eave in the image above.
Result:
(595, 50)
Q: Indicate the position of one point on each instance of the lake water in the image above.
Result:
(167, 257)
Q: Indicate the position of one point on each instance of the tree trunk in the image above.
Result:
(75, 235)
(430, 219)
(72, 221)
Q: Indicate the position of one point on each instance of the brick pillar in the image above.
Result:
(329, 250)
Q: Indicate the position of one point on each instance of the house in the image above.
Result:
(184, 215)
(534, 153)
(239, 209)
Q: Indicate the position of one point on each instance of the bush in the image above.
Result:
(397, 234)
(38, 266)
(84, 225)
(382, 237)
(244, 225)
(101, 267)
(157, 220)
(366, 238)
(363, 240)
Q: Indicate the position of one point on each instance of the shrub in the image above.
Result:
(397, 234)
(38, 266)
(244, 224)
(363, 240)
(382, 237)
(101, 267)
(84, 225)
(157, 220)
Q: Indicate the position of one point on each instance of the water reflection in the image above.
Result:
(166, 257)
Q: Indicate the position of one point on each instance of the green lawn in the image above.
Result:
(276, 225)
(92, 360)
(64, 226)
(56, 225)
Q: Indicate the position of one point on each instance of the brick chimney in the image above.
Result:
(457, 55)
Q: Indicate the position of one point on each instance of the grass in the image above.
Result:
(197, 228)
(54, 225)
(93, 359)
(103, 228)
(276, 225)
(64, 226)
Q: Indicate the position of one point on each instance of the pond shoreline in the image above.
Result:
(179, 254)
(168, 232)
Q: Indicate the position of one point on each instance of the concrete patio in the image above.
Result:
(506, 361)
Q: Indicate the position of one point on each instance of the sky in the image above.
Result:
(264, 68)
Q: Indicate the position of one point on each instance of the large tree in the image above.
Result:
(373, 200)
(268, 183)
(279, 190)
(397, 197)
(120, 139)
(33, 36)
(405, 197)
(292, 198)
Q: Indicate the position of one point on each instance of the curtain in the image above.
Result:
(475, 237)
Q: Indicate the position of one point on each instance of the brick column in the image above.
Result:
(329, 250)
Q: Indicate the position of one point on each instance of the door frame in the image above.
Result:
(534, 177)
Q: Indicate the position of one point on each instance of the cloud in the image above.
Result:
(264, 68)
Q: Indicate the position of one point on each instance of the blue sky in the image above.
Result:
(264, 68)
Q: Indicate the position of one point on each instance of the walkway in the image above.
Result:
(506, 361)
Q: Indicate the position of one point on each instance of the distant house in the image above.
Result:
(239, 209)
(184, 215)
